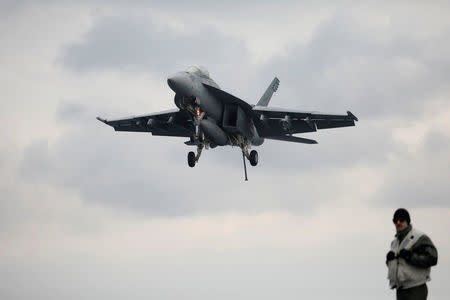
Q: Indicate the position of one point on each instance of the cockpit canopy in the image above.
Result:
(200, 71)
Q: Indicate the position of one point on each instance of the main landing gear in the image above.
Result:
(192, 158)
(252, 157)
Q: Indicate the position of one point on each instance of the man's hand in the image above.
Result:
(390, 256)
(405, 254)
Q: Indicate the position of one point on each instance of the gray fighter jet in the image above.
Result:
(211, 117)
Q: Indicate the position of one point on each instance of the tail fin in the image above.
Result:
(264, 101)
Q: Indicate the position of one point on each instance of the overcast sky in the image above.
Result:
(88, 213)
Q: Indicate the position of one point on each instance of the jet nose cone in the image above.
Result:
(171, 82)
(175, 81)
(179, 83)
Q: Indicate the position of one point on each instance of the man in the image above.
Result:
(409, 260)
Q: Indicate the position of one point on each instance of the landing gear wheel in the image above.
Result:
(191, 159)
(253, 158)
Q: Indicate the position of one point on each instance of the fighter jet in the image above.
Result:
(209, 117)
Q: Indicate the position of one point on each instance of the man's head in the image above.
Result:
(401, 219)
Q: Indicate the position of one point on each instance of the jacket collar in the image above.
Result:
(401, 234)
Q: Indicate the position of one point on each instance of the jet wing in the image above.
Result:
(166, 123)
(273, 122)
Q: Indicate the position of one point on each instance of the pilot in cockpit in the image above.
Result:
(200, 71)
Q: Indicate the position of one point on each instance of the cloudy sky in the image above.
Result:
(88, 213)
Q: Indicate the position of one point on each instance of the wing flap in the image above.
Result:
(326, 124)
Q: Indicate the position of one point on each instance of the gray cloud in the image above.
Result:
(71, 112)
(415, 187)
(135, 44)
(343, 67)
(420, 179)
(100, 172)
(373, 74)
(436, 143)
(364, 78)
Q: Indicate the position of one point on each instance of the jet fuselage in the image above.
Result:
(192, 95)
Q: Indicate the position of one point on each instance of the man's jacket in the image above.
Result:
(415, 270)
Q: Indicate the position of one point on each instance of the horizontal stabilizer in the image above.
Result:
(349, 113)
(290, 138)
(264, 101)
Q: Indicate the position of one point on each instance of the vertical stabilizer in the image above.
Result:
(264, 101)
